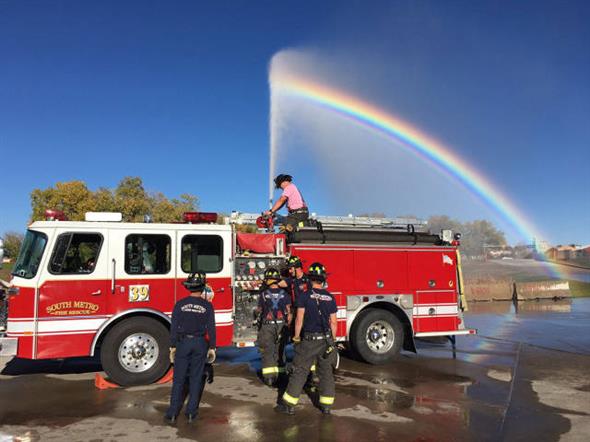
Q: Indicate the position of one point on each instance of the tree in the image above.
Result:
(436, 223)
(164, 210)
(129, 197)
(478, 234)
(474, 234)
(104, 200)
(12, 244)
(73, 198)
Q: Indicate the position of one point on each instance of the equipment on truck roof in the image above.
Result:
(347, 229)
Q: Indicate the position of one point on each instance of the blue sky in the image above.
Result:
(177, 93)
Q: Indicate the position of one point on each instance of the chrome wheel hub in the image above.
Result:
(380, 337)
(138, 352)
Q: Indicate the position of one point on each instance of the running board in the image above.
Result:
(471, 331)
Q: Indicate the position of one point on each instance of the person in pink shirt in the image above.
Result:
(298, 211)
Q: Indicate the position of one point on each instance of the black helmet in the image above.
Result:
(196, 282)
(272, 274)
(317, 272)
(294, 261)
(280, 178)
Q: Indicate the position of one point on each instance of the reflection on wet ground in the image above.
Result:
(524, 377)
(558, 325)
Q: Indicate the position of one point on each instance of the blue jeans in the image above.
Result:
(191, 354)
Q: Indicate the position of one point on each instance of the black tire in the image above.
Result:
(391, 328)
(158, 337)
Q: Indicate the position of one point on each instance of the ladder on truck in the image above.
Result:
(344, 222)
(353, 229)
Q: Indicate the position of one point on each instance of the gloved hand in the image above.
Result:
(296, 340)
(172, 354)
(211, 356)
(209, 373)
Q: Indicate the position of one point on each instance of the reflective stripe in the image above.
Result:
(326, 400)
(270, 370)
(312, 367)
(282, 370)
(290, 399)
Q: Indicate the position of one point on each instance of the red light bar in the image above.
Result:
(199, 217)
(55, 215)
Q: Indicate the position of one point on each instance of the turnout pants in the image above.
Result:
(191, 354)
(307, 353)
(271, 344)
(293, 219)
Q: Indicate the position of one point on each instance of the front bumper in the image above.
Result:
(8, 346)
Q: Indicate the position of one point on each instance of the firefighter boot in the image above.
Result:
(285, 409)
(191, 418)
(325, 410)
(170, 420)
(270, 380)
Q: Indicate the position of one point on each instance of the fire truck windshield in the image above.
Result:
(30, 255)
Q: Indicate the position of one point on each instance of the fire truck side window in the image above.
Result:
(202, 252)
(75, 253)
(147, 254)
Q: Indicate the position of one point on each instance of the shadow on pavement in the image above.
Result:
(18, 366)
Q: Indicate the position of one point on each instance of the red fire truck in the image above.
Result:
(105, 287)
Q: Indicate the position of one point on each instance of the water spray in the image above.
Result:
(272, 135)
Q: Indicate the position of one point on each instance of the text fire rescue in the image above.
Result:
(72, 308)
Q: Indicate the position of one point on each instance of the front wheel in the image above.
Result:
(135, 351)
(377, 336)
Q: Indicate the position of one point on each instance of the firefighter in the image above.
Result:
(193, 318)
(298, 211)
(315, 330)
(296, 283)
(274, 312)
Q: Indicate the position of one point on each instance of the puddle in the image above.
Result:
(93, 429)
(556, 325)
(361, 412)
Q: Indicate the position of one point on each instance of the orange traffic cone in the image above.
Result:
(101, 383)
(167, 377)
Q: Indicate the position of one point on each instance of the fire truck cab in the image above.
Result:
(107, 288)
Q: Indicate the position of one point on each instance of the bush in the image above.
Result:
(12, 244)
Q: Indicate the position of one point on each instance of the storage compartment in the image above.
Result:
(248, 279)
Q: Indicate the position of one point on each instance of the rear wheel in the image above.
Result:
(377, 336)
(135, 351)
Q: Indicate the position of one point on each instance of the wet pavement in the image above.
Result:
(526, 376)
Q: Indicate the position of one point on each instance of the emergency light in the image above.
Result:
(55, 215)
(199, 217)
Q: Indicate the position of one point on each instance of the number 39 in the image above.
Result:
(139, 293)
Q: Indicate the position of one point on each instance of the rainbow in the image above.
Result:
(410, 138)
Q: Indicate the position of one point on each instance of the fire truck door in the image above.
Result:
(141, 271)
(209, 252)
(72, 291)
